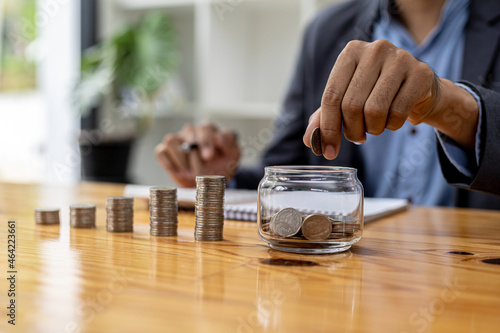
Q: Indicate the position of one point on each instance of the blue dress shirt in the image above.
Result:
(404, 163)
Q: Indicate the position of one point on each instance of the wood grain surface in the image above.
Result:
(424, 270)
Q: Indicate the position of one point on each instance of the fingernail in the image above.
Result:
(329, 152)
(359, 143)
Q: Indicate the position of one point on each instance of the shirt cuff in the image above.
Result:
(456, 154)
(479, 121)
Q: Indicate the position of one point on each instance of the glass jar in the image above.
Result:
(310, 209)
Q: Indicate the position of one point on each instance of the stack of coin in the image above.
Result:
(343, 225)
(209, 208)
(47, 216)
(163, 211)
(120, 214)
(82, 216)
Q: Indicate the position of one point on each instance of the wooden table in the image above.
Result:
(423, 270)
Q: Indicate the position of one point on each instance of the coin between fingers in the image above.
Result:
(316, 142)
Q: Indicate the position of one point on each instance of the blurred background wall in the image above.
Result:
(149, 66)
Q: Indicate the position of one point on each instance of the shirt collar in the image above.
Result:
(388, 9)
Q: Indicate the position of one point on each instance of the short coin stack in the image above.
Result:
(120, 214)
(209, 208)
(82, 216)
(344, 225)
(163, 211)
(47, 216)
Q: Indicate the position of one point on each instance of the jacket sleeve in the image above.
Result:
(486, 177)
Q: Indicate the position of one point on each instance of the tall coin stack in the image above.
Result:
(120, 214)
(209, 208)
(163, 211)
(82, 216)
(47, 216)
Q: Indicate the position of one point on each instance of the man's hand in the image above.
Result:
(374, 86)
(217, 154)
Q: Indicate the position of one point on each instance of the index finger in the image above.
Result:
(196, 162)
(331, 112)
(206, 136)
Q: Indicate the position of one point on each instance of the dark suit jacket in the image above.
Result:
(325, 38)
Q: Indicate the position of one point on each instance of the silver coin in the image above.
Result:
(119, 229)
(163, 233)
(82, 206)
(286, 222)
(82, 225)
(316, 227)
(46, 210)
(120, 198)
(162, 189)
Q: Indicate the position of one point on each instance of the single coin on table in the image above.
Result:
(316, 227)
(286, 222)
(316, 142)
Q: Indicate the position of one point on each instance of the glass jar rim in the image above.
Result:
(309, 168)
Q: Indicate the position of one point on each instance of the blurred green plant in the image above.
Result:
(131, 66)
(17, 71)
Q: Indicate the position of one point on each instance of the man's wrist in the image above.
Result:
(456, 114)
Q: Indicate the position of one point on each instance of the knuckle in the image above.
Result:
(352, 106)
(208, 125)
(381, 46)
(402, 56)
(398, 114)
(159, 148)
(228, 134)
(166, 136)
(392, 82)
(374, 111)
(329, 130)
(332, 97)
(354, 45)
(187, 127)
(169, 139)
(424, 70)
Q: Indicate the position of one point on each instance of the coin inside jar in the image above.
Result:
(316, 142)
(286, 222)
(316, 227)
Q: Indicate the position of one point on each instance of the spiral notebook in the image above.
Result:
(242, 204)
